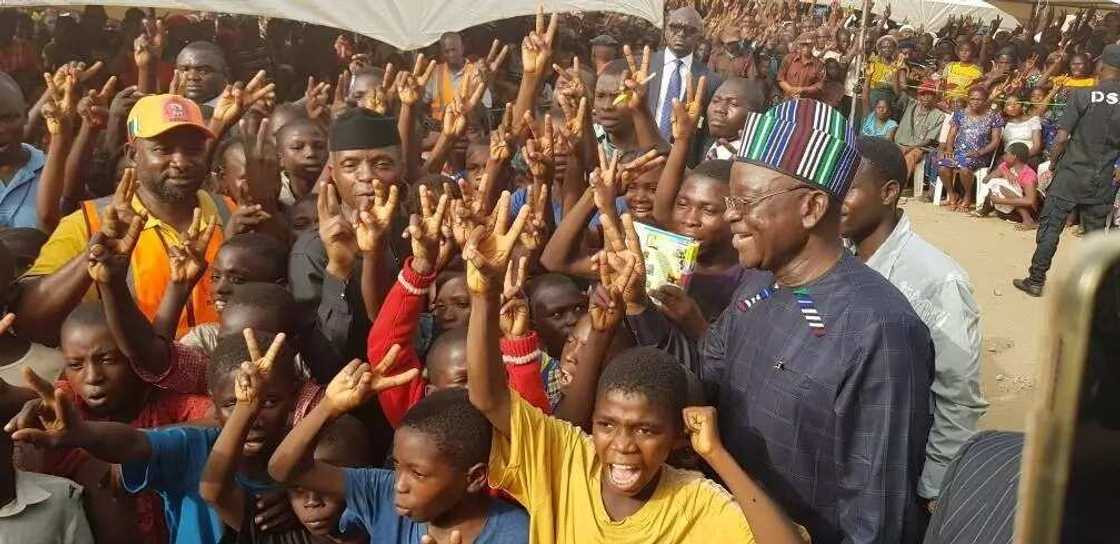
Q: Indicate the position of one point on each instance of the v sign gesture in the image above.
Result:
(58, 419)
(425, 231)
(187, 259)
(359, 382)
(488, 249)
(686, 115)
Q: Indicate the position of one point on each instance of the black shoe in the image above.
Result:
(1028, 286)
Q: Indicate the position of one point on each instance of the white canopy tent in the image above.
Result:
(932, 14)
(406, 24)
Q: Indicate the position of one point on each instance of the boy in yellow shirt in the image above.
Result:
(612, 486)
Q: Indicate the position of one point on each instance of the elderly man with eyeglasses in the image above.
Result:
(820, 368)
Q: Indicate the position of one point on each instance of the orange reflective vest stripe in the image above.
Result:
(149, 271)
(444, 92)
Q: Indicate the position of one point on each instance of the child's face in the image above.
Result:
(303, 216)
(452, 307)
(632, 438)
(477, 155)
(271, 424)
(233, 169)
(698, 211)
(97, 370)
(234, 266)
(447, 366)
(317, 512)
(639, 195)
(964, 53)
(427, 485)
(555, 308)
(303, 152)
(1010, 159)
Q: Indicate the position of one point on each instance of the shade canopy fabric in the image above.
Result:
(406, 24)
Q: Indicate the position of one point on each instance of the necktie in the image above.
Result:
(674, 91)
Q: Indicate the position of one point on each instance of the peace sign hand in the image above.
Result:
(514, 315)
(318, 97)
(494, 59)
(489, 247)
(263, 363)
(236, 99)
(535, 233)
(336, 232)
(425, 232)
(380, 97)
(536, 48)
(93, 108)
(686, 115)
(411, 85)
(358, 382)
(635, 79)
(50, 421)
(61, 107)
(187, 259)
(374, 220)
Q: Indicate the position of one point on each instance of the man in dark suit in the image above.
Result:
(675, 65)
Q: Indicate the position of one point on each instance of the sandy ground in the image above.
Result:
(993, 253)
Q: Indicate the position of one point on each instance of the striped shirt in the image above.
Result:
(977, 503)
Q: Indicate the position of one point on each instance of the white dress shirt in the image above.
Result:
(666, 74)
(46, 510)
(941, 294)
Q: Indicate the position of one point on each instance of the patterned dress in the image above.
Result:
(973, 134)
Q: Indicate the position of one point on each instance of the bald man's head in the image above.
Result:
(683, 30)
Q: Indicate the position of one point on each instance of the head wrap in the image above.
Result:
(805, 139)
(360, 128)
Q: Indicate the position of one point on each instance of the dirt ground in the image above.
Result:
(993, 253)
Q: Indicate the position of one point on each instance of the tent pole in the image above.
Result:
(860, 59)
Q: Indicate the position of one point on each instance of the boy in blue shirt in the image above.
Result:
(438, 486)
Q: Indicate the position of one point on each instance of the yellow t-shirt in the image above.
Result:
(1074, 82)
(959, 77)
(551, 468)
(879, 73)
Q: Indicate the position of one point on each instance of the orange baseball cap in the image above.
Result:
(155, 114)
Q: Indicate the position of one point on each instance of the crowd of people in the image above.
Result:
(270, 282)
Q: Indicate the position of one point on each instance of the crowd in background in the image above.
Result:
(208, 223)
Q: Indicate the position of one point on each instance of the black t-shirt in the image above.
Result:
(1084, 172)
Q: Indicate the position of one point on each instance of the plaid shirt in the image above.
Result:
(848, 469)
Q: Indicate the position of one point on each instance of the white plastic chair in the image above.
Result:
(919, 177)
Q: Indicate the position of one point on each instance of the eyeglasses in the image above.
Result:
(744, 204)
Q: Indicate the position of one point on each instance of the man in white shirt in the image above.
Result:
(36, 508)
(939, 291)
(675, 65)
(448, 75)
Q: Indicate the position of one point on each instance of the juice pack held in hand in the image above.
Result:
(670, 258)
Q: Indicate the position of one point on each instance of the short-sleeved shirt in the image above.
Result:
(551, 466)
(174, 471)
(917, 127)
(1084, 173)
(801, 72)
(369, 502)
(17, 197)
(871, 127)
(1021, 131)
(959, 77)
(1026, 177)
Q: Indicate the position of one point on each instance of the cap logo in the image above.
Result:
(174, 111)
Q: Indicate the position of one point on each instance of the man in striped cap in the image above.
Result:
(820, 368)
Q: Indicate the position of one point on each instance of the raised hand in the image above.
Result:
(187, 259)
(263, 363)
(374, 220)
(120, 231)
(262, 164)
(639, 166)
(148, 46)
(336, 232)
(700, 423)
(358, 382)
(634, 81)
(93, 108)
(634, 292)
(501, 138)
(341, 94)
(489, 247)
(61, 107)
(485, 68)
(536, 48)
(317, 99)
(455, 114)
(380, 97)
(247, 384)
(52, 420)
(535, 233)
(425, 231)
(540, 150)
(569, 84)
(605, 182)
(686, 115)
(236, 99)
(616, 271)
(411, 85)
(574, 121)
